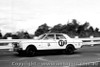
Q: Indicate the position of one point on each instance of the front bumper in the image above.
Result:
(17, 49)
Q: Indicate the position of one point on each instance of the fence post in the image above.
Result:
(92, 40)
(10, 44)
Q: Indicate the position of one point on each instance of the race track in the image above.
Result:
(82, 56)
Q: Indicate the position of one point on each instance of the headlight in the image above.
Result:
(16, 45)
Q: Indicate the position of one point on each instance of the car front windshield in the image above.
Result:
(41, 36)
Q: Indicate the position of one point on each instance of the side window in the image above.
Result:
(59, 36)
(50, 37)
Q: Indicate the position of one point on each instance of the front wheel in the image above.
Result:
(21, 53)
(70, 49)
(30, 51)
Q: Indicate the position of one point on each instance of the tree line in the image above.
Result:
(17, 35)
(72, 29)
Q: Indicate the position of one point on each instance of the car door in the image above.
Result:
(61, 41)
(49, 42)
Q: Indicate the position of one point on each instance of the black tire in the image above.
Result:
(21, 53)
(30, 51)
(69, 49)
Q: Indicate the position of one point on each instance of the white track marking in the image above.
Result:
(22, 59)
(42, 59)
(72, 56)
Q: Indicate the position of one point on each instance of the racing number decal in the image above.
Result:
(62, 42)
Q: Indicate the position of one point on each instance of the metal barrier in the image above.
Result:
(85, 41)
(89, 41)
(9, 42)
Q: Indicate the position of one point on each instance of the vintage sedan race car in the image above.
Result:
(47, 41)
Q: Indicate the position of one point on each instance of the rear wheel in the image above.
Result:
(70, 49)
(30, 51)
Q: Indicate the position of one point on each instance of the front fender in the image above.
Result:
(24, 45)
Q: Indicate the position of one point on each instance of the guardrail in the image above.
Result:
(85, 41)
(9, 40)
(89, 41)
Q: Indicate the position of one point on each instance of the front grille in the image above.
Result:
(16, 45)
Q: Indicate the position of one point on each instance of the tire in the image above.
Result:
(21, 53)
(69, 49)
(30, 51)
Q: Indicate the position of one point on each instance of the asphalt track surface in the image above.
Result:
(83, 56)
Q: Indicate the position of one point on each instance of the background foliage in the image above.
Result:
(73, 28)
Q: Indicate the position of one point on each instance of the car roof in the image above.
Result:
(53, 33)
(58, 33)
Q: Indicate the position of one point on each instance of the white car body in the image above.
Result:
(44, 42)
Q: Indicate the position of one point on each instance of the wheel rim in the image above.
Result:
(70, 50)
(31, 52)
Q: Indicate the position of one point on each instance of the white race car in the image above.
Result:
(47, 41)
